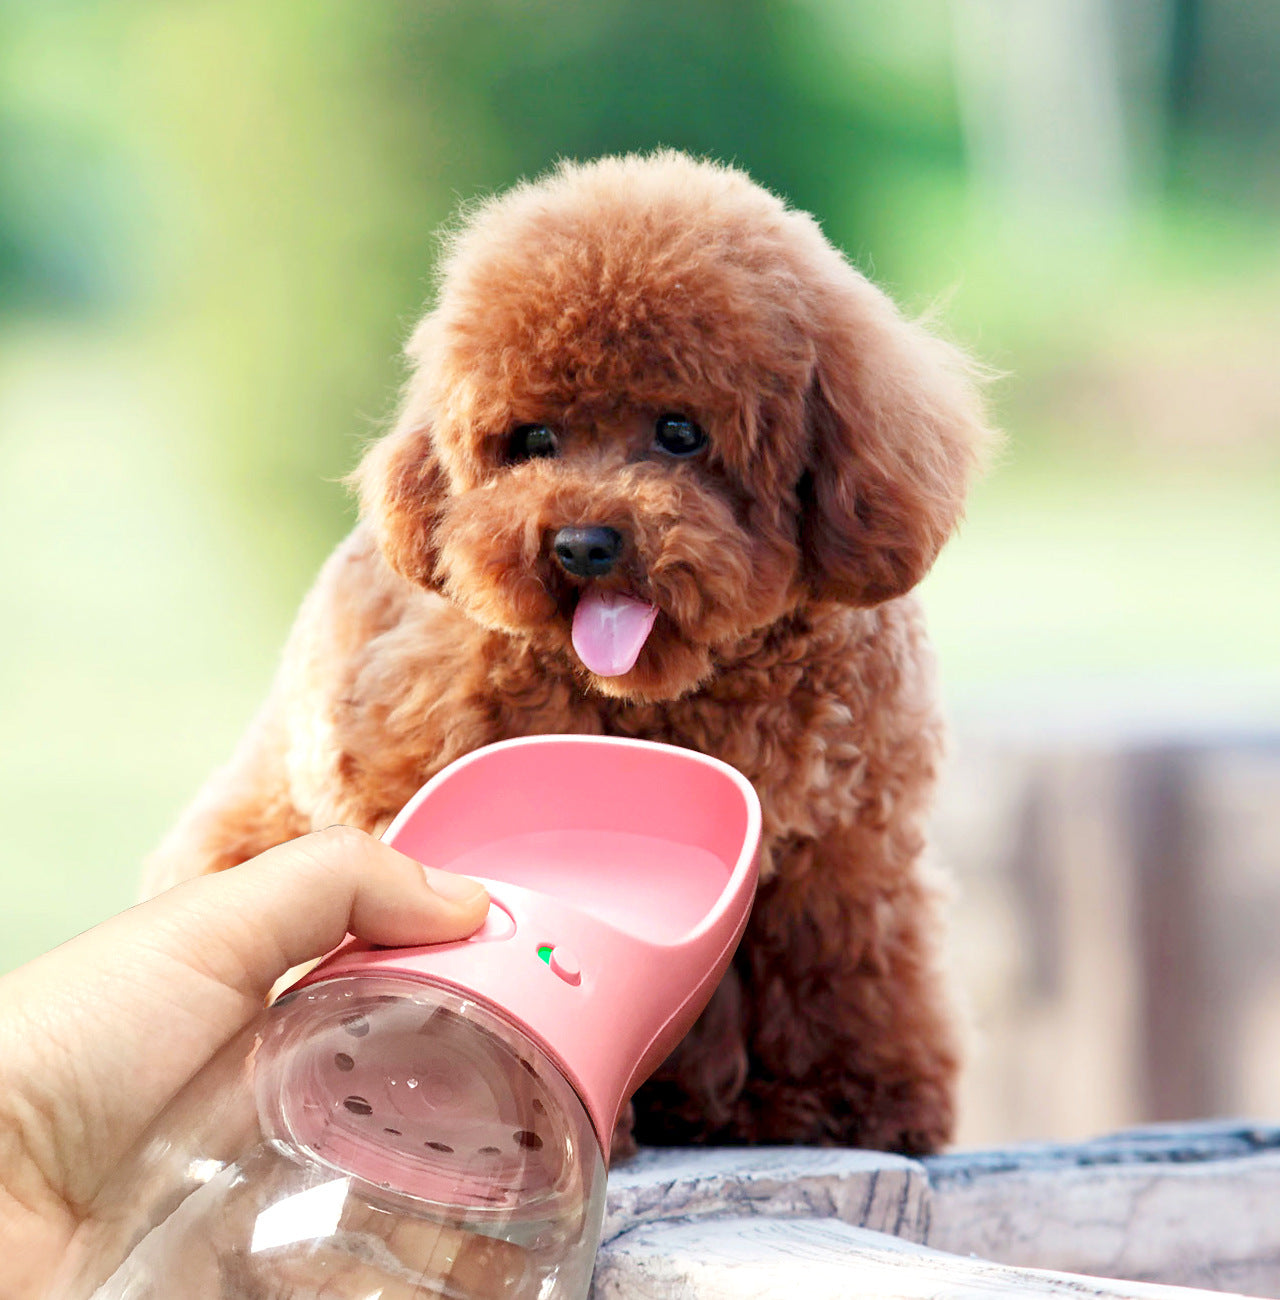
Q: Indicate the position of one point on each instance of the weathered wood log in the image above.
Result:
(1143, 1213)
(823, 1259)
(1197, 1205)
(866, 1188)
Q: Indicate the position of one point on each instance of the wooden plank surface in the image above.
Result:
(866, 1188)
(1171, 1206)
(1196, 1205)
(822, 1259)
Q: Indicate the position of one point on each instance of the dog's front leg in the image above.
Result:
(852, 1039)
(833, 1026)
(694, 1094)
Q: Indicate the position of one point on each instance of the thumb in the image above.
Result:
(298, 901)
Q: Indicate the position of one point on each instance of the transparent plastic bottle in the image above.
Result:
(369, 1138)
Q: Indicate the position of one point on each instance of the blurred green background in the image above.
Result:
(216, 227)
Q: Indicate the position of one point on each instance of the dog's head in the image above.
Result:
(652, 412)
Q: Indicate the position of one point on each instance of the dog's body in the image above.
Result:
(666, 469)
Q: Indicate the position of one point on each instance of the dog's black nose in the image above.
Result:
(588, 552)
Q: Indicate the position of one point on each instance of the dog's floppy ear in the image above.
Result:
(402, 485)
(896, 430)
(403, 489)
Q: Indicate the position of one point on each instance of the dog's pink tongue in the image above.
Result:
(609, 631)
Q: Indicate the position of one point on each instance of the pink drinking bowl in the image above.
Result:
(621, 874)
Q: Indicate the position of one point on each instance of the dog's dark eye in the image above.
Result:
(531, 440)
(677, 435)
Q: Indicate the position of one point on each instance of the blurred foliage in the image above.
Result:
(217, 223)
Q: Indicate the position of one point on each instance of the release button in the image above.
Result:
(497, 924)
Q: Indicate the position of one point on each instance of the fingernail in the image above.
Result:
(448, 884)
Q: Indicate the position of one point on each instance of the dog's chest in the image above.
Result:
(799, 748)
(806, 728)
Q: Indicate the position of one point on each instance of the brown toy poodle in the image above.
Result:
(667, 466)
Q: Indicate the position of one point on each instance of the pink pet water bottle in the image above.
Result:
(434, 1122)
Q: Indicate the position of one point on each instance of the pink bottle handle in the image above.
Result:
(621, 874)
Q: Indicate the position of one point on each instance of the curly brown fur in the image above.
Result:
(842, 438)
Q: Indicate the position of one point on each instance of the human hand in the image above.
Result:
(98, 1035)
